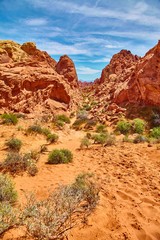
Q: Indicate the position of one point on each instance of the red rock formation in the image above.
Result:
(143, 84)
(66, 67)
(28, 79)
(127, 79)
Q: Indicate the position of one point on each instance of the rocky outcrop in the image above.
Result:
(143, 84)
(66, 67)
(29, 80)
(118, 65)
(127, 79)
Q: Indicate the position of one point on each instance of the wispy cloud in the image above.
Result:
(87, 70)
(137, 13)
(36, 21)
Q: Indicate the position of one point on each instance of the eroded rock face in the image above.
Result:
(66, 67)
(143, 84)
(127, 79)
(29, 80)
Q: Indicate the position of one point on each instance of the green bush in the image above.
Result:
(9, 118)
(46, 131)
(60, 156)
(155, 132)
(123, 126)
(63, 118)
(52, 138)
(35, 129)
(100, 138)
(14, 144)
(7, 189)
(101, 128)
(85, 142)
(138, 125)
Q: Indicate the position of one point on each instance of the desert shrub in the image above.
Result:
(60, 156)
(123, 126)
(62, 210)
(46, 131)
(33, 154)
(63, 118)
(138, 125)
(9, 118)
(140, 139)
(32, 169)
(7, 189)
(16, 163)
(52, 138)
(110, 140)
(99, 138)
(14, 144)
(85, 142)
(155, 132)
(8, 217)
(101, 128)
(35, 128)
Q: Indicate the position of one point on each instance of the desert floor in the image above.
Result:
(129, 178)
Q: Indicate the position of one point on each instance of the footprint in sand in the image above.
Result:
(125, 196)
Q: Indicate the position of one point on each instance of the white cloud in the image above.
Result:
(87, 70)
(56, 48)
(36, 22)
(101, 60)
(140, 13)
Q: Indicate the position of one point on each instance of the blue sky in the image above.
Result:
(89, 31)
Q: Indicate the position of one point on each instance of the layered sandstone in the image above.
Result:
(29, 80)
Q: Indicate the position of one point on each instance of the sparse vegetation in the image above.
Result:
(99, 138)
(8, 217)
(58, 156)
(85, 142)
(46, 131)
(35, 128)
(123, 127)
(9, 118)
(63, 118)
(101, 128)
(62, 210)
(52, 137)
(16, 163)
(155, 132)
(14, 144)
(110, 140)
(7, 190)
(139, 125)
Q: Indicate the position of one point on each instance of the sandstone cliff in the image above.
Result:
(30, 80)
(127, 79)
